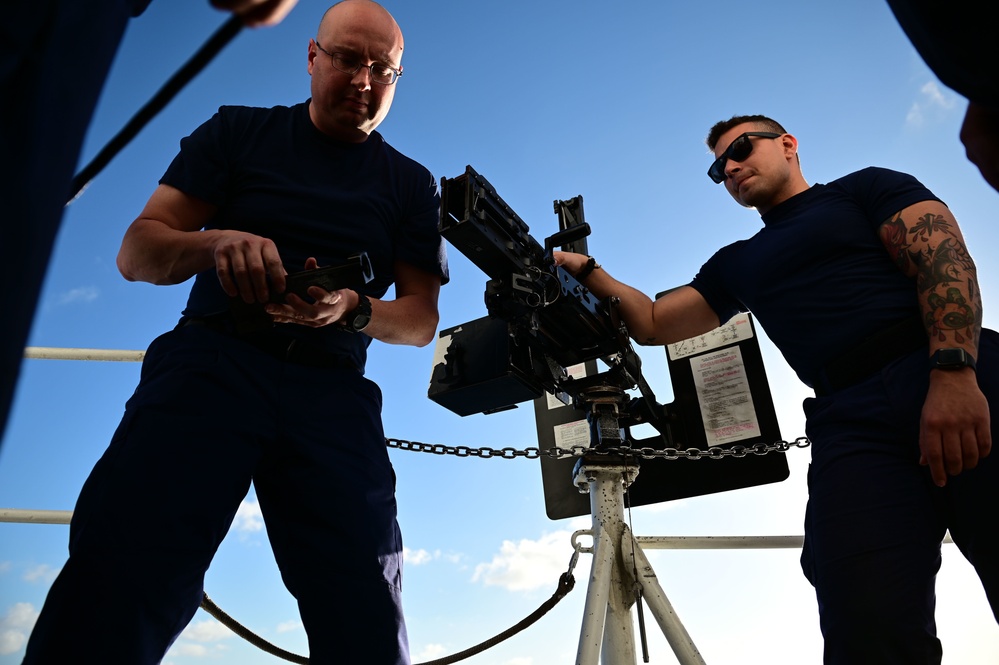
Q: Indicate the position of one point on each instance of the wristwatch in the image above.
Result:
(357, 319)
(951, 359)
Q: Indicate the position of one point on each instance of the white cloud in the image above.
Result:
(288, 626)
(430, 652)
(205, 631)
(248, 518)
(191, 650)
(201, 639)
(528, 564)
(520, 661)
(934, 96)
(421, 556)
(15, 626)
(11, 641)
(41, 573)
(933, 104)
(188, 649)
(79, 294)
(416, 557)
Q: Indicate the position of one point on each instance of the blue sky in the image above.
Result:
(548, 100)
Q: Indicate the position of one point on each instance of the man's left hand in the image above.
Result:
(954, 431)
(328, 306)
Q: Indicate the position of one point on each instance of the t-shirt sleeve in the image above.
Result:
(420, 243)
(709, 282)
(883, 192)
(201, 168)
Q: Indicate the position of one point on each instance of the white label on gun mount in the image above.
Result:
(734, 330)
(723, 393)
(570, 435)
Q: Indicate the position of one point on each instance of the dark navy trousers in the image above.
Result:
(875, 521)
(212, 414)
(54, 57)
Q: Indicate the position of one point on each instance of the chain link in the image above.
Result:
(578, 451)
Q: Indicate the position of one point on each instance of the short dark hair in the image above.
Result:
(762, 122)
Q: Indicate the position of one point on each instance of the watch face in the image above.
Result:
(361, 315)
(360, 321)
(951, 359)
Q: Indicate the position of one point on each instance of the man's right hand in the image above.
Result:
(572, 262)
(245, 262)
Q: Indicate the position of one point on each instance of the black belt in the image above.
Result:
(284, 348)
(870, 356)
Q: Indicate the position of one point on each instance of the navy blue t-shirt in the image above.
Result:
(817, 276)
(273, 174)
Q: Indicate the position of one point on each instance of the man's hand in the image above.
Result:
(573, 263)
(329, 306)
(244, 262)
(954, 431)
(257, 13)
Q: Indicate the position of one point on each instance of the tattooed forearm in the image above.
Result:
(931, 250)
(946, 278)
(937, 266)
(954, 317)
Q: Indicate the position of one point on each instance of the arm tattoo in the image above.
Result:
(946, 278)
(893, 236)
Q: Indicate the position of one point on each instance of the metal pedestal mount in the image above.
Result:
(621, 575)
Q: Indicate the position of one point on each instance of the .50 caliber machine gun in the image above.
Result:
(541, 319)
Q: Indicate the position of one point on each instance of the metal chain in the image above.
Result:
(578, 451)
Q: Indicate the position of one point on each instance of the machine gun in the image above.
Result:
(541, 319)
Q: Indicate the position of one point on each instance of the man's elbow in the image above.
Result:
(426, 332)
(139, 268)
(126, 267)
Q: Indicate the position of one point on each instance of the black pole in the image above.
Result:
(182, 77)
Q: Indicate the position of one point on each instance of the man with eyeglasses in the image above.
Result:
(866, 286)
(256, 194)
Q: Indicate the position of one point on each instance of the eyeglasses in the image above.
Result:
(738, 150)
(348, 64)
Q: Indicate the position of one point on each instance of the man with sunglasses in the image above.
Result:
(868, 290)
(277, 399)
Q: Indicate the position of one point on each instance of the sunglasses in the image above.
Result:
(737, 151)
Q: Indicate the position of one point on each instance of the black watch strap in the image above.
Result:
(357, 319)
(951, 359)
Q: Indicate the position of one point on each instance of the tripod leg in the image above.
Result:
(677, 636)
(597, 592)
(608, 605)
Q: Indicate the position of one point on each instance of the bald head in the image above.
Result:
(362, 12)
(347, 103)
